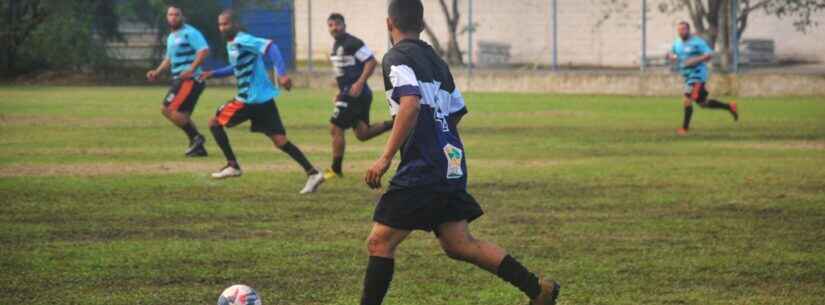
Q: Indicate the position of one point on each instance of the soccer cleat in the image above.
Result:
(199, 151)
(227, 172)
(331, 174)
(681, 131)
(312, 183)
(734, 111)
(196, 148)
(549, 293)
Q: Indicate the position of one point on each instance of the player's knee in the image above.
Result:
(377, 246)
(458, 250)
(279, 140)
(213, 122)
(361, 136)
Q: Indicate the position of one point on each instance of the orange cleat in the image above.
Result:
(734, 111)
(681, 131)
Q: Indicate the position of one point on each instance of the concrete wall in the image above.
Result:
(525, 25)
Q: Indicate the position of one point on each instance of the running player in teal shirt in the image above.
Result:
(186, 50)
(255, 100)
(691, 53)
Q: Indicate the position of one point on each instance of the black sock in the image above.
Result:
(190, 131)
(715, 104)
(223, 142)
(688, 114)
(514, 273)
(336, 164)
(377, 280)
(299, 157)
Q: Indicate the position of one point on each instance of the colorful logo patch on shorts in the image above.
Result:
(454, 157)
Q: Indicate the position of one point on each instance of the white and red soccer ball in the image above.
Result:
(239, 295)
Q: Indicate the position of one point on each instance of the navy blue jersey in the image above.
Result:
(433, 155)
(349, 54)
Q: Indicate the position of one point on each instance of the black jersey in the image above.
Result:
(433, 155)
(349, 54)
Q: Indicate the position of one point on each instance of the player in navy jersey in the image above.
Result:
(354, 63)
(691, 54)
(186, 49)
(255, 100)
(429, 190)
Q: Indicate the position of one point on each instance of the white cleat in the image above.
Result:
(313, 182)
(227, 172)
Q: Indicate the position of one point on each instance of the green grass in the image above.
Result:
(99, 206)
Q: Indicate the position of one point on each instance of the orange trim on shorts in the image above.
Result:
(183, 93)
(229, 111)
(697, 87)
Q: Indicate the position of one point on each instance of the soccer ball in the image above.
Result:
(239, 295)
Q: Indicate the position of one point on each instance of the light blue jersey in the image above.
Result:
(694, 46)
(246, 54)
(181, 48)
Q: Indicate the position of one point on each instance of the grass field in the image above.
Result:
(99, 206)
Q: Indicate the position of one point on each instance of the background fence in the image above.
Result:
(587, 36)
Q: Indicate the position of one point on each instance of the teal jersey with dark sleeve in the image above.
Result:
(182, 47)
(684, 50)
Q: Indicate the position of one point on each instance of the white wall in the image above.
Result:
(525, 25)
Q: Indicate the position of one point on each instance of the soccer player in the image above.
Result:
(255, 100)
(186, 50)
(691, 53)
(354, 64)
(429, 191)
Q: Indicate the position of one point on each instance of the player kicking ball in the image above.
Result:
(429, 190)
(354, 63)
(255, 100)
(691, 53)
(186, 50)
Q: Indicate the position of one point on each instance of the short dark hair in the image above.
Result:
(684, 23)
(337, 17)
(407, 15)
(229, 13)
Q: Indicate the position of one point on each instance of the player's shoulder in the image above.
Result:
(395, 57)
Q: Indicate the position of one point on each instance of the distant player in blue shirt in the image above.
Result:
(354, 63)
(691, 54)
(255, 100)
(429, 189)
(186, 50)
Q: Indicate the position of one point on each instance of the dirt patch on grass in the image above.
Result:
(113, 169)
(206, 167)
(41, 120)
(796, 145)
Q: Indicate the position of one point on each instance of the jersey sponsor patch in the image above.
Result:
(454, 157)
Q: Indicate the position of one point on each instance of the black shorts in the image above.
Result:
(351, 110)
(697, 92)
(424, 209)
(265, 117)
(184, 95)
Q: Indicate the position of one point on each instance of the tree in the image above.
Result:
(36, 28)
(453, 52)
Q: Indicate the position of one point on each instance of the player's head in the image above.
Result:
(336, 24)
(405, 17)
(174, 17)
(683, 28)
(228, 24)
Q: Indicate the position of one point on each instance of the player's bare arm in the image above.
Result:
(697, 60)
(199, 59)
(404, 122)
(152, 75)
(358, 86)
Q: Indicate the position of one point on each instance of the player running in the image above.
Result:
(429, 190)
(354, 63)
(186, 50)
(255, 100)
(691, 53)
